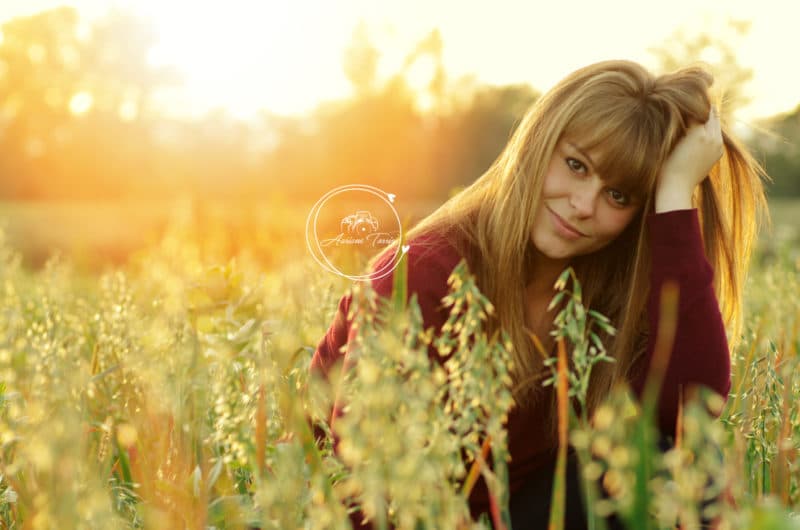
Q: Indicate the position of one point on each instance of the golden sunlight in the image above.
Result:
(250, 55)
(419, 76)
(288, 57)
(81, 103)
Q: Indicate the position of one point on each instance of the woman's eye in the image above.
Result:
(619, 197)
(576, 165)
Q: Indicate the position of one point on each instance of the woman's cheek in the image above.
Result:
(617, 220)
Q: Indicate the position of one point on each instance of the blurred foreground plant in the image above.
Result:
(174, 393)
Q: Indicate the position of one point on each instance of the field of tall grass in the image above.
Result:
(172, 391)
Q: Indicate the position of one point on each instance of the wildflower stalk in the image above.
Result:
(559, 483)
(574, 323)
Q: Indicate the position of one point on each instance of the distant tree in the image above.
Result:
(479, 125)
(431, 46)
(360, 60)
(778, 146)
(381, 136)
(75, 100)
(37, 58)
(715, 48)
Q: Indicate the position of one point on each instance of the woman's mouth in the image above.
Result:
(563, 228)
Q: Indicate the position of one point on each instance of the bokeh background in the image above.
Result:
(116, 117)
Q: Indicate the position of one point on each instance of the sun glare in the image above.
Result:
(287, 57)
(81, 103)
(419, 77)
(248, 55)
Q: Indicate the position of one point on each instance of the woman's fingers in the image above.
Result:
(691, 160)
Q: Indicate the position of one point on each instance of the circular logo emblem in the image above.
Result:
(348, 225)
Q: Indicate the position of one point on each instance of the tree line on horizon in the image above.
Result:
(79, 119)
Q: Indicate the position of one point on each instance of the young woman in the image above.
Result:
(631, 179)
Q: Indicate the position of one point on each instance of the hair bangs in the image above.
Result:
(626, 142)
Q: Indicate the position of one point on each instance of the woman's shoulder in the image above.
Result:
(431, 258)
(435, 248)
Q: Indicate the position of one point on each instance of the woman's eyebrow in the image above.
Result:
(579, 150)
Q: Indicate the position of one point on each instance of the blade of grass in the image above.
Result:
(494, 506)
(782, 461)
(497, 520)
(558, 497)
(400, 278)
(475, 469)
(645, 431)
(261, 430)
(747, 363)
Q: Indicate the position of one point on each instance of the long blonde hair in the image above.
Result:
(634, 119)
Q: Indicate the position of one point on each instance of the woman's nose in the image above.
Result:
(582, 199)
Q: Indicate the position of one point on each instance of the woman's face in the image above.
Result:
(578, 213)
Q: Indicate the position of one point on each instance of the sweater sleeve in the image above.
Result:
(428, 271)
(700, 354)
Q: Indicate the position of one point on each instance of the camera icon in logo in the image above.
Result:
(360, 223)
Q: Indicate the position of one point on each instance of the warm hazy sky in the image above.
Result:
(286, 55)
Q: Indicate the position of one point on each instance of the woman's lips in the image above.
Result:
(564, 228)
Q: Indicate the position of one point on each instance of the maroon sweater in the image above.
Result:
(700, 353)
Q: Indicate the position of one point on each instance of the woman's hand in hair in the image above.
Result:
(688, 164)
